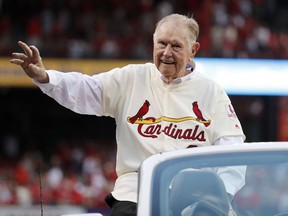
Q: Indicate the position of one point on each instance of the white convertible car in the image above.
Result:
(188, 183)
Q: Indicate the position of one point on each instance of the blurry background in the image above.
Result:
(75, 154)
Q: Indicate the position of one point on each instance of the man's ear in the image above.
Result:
(195, 49)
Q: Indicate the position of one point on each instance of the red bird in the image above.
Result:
(198, 113)
(141, 112)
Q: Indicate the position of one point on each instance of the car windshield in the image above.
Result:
(243, 184)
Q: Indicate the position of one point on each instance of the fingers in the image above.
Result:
(17, 61)
(31, 62)
(21, 56)
(18, 58)
(25, 48)
(31, 55)
(35, 52)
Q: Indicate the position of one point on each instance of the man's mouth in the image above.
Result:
(167, 62)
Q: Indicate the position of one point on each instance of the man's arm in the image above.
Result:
(233, 177)
(75, 91)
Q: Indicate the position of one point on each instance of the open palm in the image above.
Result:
(31, 62)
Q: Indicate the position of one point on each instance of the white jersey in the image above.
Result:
(151, 115)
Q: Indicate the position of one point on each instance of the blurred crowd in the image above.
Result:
(76, 172)
(123, 29)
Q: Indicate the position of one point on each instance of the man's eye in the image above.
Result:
(161, 44)
(176, 47)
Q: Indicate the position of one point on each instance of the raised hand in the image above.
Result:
(31, 62)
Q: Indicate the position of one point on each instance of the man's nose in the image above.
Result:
(167, 50)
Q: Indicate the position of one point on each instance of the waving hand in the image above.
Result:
(31, 62)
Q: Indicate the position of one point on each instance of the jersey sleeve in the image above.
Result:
(226, 120)
(78, 92)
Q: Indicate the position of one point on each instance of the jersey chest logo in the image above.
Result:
(143, 110)
(153, 128)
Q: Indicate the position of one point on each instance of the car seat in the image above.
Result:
(193, 191)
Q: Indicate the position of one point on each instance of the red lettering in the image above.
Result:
(187, 133)
(178, 134)
(150, 130)
(200, 136)
(167, 129)
(192, 146)
(171, 130)
(194, 132)
(145, 133)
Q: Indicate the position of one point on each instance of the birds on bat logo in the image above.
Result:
(199, 114)
(143, 110)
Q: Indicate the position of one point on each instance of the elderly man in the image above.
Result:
(159, 106)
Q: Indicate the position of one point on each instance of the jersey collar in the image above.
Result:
(189, 67)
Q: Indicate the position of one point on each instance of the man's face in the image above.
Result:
(171, 50)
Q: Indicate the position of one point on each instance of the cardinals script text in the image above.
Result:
(172, 130)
